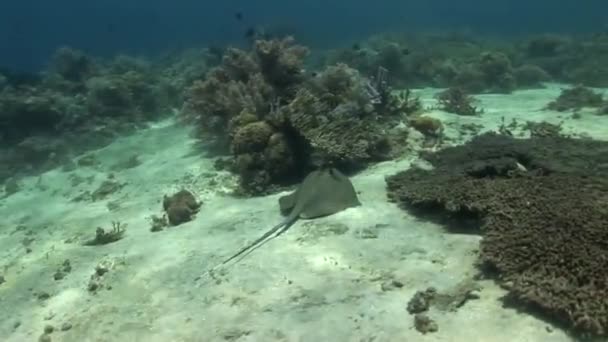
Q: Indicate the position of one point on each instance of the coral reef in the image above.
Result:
(279, 123)
(76, 104)
(478, 64)
(541, 207)
(179, 207)
(576, 98)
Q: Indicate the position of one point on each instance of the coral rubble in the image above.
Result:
(76, 104)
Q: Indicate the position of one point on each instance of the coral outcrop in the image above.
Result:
(180, 207)
(541, 204)
(279, 122)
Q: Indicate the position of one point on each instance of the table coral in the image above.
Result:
(541, 204)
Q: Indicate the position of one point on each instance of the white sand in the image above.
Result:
(320, 281)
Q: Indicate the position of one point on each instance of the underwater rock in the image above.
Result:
(425, 324)
(542, 218)
(421, 301)
(180, 207)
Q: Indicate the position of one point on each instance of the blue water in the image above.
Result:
(31, 29)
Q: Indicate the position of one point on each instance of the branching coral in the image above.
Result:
(278, 122)
(280, 62)
(245, 84)
(455, 100)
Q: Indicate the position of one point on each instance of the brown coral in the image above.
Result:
(252, 137)
(281, 61)
(279, 123)
(427, 125)
(180, 207)
(541, 204)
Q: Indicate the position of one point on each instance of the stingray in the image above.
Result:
(322, 193)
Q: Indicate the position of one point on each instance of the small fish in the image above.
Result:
(405, 51)
(356, 47)
(238, 15)
(250, 33)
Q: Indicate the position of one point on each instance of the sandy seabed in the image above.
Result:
(346, 277)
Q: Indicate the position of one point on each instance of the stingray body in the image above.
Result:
(322, 193)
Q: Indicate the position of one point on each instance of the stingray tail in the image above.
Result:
(255, 243)
(278, 229)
